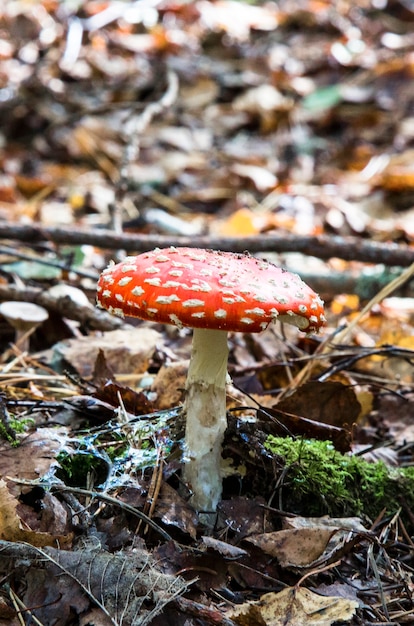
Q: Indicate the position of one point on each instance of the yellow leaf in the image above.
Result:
(243, 222)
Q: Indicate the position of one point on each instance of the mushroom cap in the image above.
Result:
(61, 290)
(208, 289)
(23, 315)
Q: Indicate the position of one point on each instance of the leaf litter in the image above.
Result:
(176, 119)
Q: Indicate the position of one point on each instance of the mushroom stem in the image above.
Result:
(205, 408)
(22, 339)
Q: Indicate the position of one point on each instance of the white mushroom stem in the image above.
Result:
(205, 408)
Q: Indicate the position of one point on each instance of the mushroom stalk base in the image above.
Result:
(205, 408)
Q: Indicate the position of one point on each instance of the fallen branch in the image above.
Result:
(323, 246)
(90, 317)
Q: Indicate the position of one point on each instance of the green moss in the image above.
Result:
(13, 427)
(320, 481)
(80, 468)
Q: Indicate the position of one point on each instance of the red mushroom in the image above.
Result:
(213, 293)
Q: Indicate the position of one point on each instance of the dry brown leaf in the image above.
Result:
(13, 529)
(332, 403)
(173, 511)
(126, 351)
(33, 458)
(294, 607)
(334, 523)
(294, 548)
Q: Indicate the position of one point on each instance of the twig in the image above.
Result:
(196, 609)
(322, 246)
(91, 317)
(154, 488)
(58, 487)
(21, 608)
(108, 499)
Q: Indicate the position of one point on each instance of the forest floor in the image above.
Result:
(284, 129)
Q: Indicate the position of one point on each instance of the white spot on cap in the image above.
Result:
(246, 320)
(220, 314)
(199, 315)
(176, 273)
(193, 303)
(227, 283)
(109, 268)
(197, 285)
(124, 281)
(119, 297)
(186, 266)
(155, 282)
(197, 257)
(302, 308)
(152, 270)
(162, 258)
(108, 278)
(175, 320)
(137, 291)
(255, 311)
(172, 284)
(167, 299)
(128, 268)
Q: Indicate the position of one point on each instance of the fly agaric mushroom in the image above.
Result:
(213, 293)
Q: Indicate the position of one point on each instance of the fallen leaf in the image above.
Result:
(12, 528)
(35, 455)
(240, 223)
(296, 548)
(126, 351)
(294, 607)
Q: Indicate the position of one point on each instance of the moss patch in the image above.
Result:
(320, 481)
